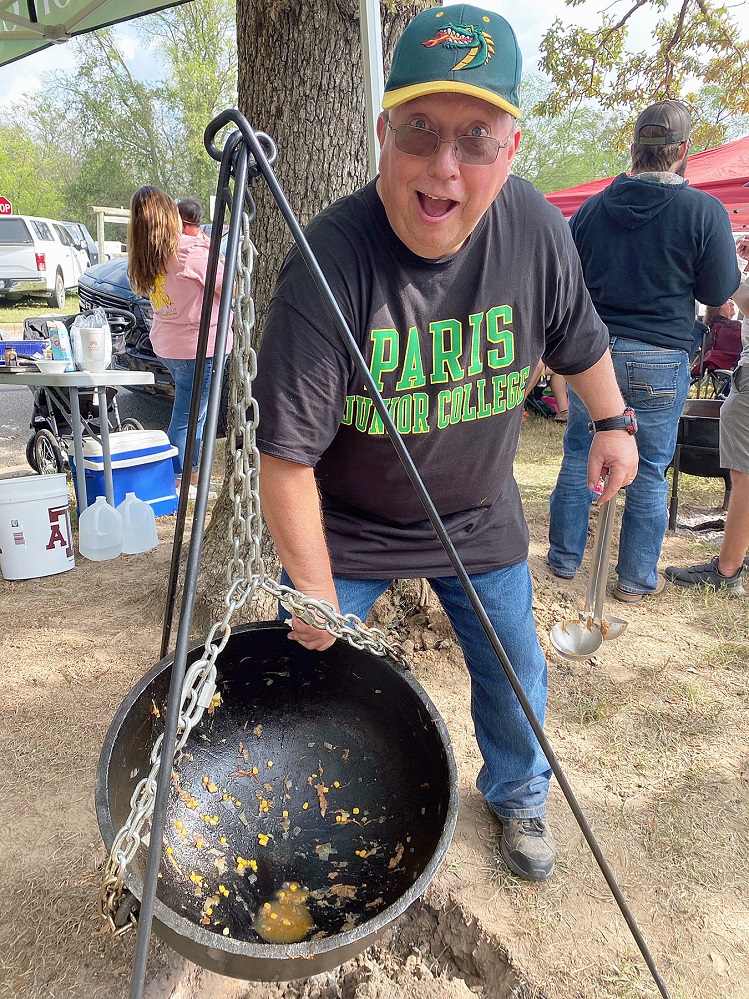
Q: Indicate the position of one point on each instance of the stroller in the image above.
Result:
(51, 419)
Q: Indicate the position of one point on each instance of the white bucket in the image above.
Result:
(35, 535)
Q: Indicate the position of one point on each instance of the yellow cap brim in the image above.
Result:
(394, 98)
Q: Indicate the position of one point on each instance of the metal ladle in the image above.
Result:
(582, 638)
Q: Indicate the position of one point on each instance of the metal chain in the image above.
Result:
(246, 576)
(246, 524)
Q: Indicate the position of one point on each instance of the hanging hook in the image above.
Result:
(229, 116)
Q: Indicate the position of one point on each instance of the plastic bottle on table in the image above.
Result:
(100, 531)
(75, 345)
(138, 525)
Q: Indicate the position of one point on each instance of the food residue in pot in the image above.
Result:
(286, 917)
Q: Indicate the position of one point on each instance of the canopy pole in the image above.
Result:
(374, 81)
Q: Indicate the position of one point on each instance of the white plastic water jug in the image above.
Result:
(100, 531)
(138, 525)
(95, 347)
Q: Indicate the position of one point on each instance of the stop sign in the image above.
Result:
(5, 206)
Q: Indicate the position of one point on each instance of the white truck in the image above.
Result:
(38, 257)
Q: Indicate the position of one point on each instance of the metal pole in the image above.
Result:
(221, 201)
(374, 81)
(163, 782)
(80, 471)
(106, 452)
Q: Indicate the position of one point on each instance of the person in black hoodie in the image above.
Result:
(649, 245)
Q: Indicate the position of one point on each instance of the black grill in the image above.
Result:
(91, 299)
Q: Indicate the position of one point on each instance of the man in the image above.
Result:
(724, 571)
(191, 213)
(649, 245)
(454, 278)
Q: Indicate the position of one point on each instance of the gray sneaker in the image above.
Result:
(528, 848)
(706, 575)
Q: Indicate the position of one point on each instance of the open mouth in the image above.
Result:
(435, 208)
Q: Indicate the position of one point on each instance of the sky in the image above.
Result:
(33, 73)
(530, 19)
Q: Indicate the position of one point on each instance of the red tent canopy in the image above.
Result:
(722, 172)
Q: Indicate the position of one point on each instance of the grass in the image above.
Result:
(716, 614)
(27, 308)
(729, 655)
(540, 453)
(628, 980)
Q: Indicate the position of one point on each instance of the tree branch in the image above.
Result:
(678, 32)
(731, 44)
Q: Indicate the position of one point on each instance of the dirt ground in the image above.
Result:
(652, 733)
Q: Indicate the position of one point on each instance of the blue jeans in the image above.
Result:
(655, 383)
(183, 372)
(515, 775)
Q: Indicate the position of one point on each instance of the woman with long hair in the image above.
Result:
(169, 267)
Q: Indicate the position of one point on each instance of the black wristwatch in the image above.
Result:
(627, 421)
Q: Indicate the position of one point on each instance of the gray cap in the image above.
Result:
(668, 123)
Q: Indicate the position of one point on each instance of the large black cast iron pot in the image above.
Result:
(307, 812)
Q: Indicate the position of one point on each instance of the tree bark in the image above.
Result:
(300, 79)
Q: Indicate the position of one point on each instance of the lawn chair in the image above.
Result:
(697, 450)
(711, 372)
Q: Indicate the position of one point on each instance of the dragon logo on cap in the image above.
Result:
(479, 44)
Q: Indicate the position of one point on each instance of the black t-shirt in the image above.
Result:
(450, 344)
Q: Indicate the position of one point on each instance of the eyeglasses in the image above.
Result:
(475, 150)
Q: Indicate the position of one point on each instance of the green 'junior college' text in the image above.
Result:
(453, 360)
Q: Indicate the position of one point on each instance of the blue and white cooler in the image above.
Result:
(141, 464)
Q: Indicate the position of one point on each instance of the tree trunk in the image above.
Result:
(300, 79)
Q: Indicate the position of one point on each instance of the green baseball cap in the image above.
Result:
(456, 50)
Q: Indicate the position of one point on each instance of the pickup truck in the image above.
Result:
(38, 257)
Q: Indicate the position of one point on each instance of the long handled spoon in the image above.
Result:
(582, 638)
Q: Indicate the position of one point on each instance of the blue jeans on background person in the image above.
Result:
(655, 383)
(515, 776)
(183, 372)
